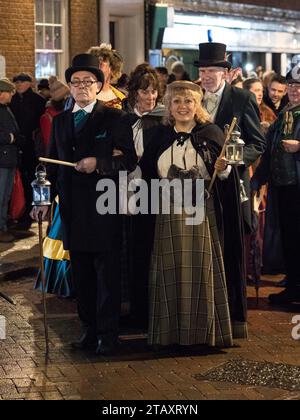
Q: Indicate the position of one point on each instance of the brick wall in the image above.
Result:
(83, 26)
(17, 35)
(17, 32)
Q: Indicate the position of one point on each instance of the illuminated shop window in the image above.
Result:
(50, 37)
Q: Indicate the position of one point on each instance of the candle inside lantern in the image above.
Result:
(41, 188)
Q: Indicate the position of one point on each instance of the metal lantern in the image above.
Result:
(234, 152)
(41, 188)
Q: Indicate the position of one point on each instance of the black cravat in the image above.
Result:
(181, 137)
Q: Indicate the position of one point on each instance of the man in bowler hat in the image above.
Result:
(223, 102)
(87, 135)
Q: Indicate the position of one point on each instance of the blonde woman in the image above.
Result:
(188, 302)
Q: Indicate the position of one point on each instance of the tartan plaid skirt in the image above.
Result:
(187, 287)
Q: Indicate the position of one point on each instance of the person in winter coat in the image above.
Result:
(9, 142)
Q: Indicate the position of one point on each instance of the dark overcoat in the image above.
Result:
(273, 260)
(85, 230)
(240, 103)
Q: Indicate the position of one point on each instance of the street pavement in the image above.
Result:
(267, 366)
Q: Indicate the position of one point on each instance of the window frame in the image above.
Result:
(62, 56)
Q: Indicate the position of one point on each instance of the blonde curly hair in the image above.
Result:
(105, 52)
(201, 115)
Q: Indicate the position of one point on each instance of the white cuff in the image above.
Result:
(225, 174)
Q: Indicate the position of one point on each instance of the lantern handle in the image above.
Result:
(42, 166)
(228, 132)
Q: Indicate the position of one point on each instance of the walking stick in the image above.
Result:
(228, 135)
(57, 162)
(40, 216)
(7, 298)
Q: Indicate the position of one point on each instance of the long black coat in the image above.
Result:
(273, 260)
(240, 103)
(9, 152)
(28, 109)
(84, 229)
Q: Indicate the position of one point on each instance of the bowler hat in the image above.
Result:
(293, 76)
(85, 62)
(212, 54)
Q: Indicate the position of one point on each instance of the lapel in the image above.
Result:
(224, 114)
(66, 135)
(94, 122)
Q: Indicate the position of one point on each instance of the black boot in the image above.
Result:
(88, 340)
(107, 345)
(282, 283)
(287, 296)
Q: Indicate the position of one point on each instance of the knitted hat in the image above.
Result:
(58, 90)
(6, 85)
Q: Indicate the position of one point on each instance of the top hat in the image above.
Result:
(85, 62)
(293, 76)
(212, 54)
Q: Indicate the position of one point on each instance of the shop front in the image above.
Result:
(270, 38)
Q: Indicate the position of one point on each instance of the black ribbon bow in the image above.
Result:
(182, 137)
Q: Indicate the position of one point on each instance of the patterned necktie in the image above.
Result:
(211, 103)
(79, 119)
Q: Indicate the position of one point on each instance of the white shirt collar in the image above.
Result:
(188, 132)
(88, 109)
(138, 113)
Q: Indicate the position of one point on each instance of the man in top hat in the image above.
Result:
(223, 102)
(27, 107)
(87, 135)
(280, 168)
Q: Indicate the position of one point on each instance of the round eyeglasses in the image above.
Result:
(85, 83)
